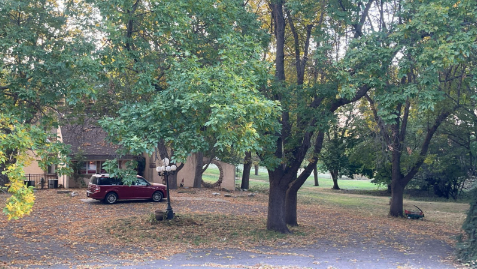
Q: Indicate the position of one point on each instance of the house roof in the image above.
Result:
(91, 140)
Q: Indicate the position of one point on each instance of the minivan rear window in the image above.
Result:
(109, 181)
(106, 181)
(94, 180)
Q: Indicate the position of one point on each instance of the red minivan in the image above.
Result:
(110, 190)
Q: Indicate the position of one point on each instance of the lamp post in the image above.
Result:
(165, 171)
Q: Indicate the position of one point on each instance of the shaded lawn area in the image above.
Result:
(74, 230)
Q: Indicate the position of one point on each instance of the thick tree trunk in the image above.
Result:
(291, 215)
(247, 166)
(291, 207)
(276, 207)
(334, 176)
(256, 169)
(315, 174)
(397, 198)
(173, 181)
(291, 202)
(198, 170)
(278, 184)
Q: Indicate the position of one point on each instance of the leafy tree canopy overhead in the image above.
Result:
(191, 72)
(44, 59)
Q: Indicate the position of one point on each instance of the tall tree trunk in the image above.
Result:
(291, 217)
(276, 207)
(334, 176)
(199, 157)
(315, 174)
(397, 185)
(291, 214)
(278, 182)
(256, 169)
(247, 165)
(173, 181)
(397, 197)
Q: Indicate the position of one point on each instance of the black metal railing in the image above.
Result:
(42, 181)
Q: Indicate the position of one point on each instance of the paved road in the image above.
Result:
(318, 256)
(431, 254)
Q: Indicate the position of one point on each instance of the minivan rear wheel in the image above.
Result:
(111, 198)
(157, 196)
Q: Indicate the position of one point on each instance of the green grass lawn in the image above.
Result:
(354, 195)
(261, 180)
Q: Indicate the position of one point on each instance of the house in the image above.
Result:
(89, 150)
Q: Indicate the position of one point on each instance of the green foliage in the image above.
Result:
(77, 165)
(334, 155)
(341, 152)
(127, 174)
(17, 143)
(446, 168)
(383, 175)
(44, 58)
(196, 88)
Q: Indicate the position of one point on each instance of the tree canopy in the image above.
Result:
(191, 71)
(45, 59)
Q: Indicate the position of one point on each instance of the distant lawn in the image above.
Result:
(261, 180)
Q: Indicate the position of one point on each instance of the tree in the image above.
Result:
(256, 163)
(315, 89)
(249, 160)
(315, 174)
(198, 170)
(247, 166)
(193, 68)
(430, 80)
(450, 164)
(44, 58)
(339, 141)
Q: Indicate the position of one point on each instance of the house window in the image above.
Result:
(91, 167)
(51, 169)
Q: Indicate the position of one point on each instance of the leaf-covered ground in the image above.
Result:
(84, 233)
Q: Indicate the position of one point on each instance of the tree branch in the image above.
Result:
(296, 46)
(378, 120)
(130, 26)
(404, 121)
(343, 101)
(300, 180)
(359, 26)
(207, 166)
